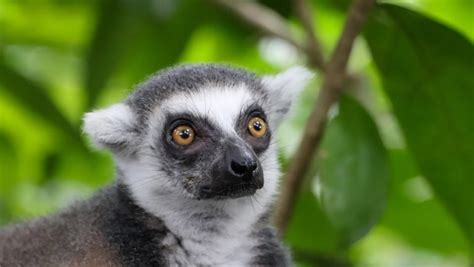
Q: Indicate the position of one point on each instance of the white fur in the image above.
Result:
(283, 90)
(219, 105)
(110, 125)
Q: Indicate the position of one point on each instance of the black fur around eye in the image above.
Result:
(252, 126)
(186, 136)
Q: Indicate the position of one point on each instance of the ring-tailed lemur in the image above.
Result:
(197, 175)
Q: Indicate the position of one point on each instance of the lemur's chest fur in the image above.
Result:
(211, 238)
(189, 238)
(214, 250)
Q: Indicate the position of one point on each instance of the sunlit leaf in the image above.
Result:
(354, 172)
(18, 18)
(427, 73)
(429, 226)
(36, 100)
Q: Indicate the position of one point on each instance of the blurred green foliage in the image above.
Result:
(393, 183)
(422, 68)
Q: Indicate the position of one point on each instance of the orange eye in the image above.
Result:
(257, 127)
(183, 135)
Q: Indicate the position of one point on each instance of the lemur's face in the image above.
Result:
(213, 141)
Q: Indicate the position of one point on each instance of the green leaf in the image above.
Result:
(34, 97)
(430, 226)
(8, 164)
(427, 71)
(354, 172)
(309, 228)
(137, 38)
(105, 49)
(8, 176)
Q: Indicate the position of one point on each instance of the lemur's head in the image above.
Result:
(199, 131)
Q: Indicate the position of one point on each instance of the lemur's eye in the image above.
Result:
(257, 127)
(183, 135)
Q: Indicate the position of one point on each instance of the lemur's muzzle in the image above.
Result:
(237, 174)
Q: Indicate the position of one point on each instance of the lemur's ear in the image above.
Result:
(112, 127)
(283, 89)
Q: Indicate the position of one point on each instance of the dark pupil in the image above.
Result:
(184, 134)
(257, 126)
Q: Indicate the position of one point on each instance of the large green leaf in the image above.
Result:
(427, 71)
(309, 228)
(430, 226)
(106, 47)
(137, 38)
(354, 172)
(34, 97)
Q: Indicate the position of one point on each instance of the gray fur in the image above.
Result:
(111, 230)
(187, 78)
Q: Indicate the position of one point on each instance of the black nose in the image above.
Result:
(241, 168)
(240, 164)
(237, 173)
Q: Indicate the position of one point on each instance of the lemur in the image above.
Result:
(197, 174)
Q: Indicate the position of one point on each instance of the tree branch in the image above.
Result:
(270, 22)
(330, 91)
(313, 46)
(263, 18)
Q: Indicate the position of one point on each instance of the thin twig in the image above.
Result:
(330, 91)
(313, 46)
(263, 18)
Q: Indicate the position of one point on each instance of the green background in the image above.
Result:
(393, 182)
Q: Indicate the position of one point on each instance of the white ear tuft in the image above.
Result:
(112, 127)
(283, 89)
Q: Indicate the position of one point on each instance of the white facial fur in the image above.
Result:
(283, 90)
(219, 105)
(113, 125)
(167, 199)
